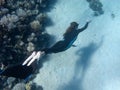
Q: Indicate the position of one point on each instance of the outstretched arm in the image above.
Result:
(83, 28)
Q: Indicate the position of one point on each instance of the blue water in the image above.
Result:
(94, 62)
(92, 65)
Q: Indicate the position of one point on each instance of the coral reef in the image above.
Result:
(31, 86)
(18, 19)
(96, 6)
(35, 25)
(19, 86)
(22, 30)
(2, 2)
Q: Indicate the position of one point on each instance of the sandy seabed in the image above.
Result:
(92, 65)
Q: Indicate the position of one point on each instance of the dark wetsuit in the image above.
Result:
(19, 71)
(66, 43)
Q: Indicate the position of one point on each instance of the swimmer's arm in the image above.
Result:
(83, 28)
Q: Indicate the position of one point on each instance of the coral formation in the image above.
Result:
(2, 2)
(22, 30)
(18, 19)
(35, 25)
(28, 86)
(19, 86)
(96, 6)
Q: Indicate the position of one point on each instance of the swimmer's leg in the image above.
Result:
(58, 47)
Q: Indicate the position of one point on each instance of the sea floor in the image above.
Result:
(94, 64)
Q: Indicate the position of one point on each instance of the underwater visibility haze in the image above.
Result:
(59, 45)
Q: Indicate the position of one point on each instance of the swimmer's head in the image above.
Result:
(74, 25)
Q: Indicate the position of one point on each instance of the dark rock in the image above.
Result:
(34, 86)
(10, 80)
(15, 33)
(96, 6)
(19, 86)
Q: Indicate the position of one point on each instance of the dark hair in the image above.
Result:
(72, 26)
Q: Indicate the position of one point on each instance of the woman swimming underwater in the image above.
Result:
(68, 39)
(25, 69)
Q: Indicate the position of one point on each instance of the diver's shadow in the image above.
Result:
(85, 54)
(81, 67)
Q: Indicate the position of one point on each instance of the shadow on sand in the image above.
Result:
(81, 66)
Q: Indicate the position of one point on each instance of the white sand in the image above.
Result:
(94, 64)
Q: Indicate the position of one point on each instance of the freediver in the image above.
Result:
(26, 68)
(69, 38)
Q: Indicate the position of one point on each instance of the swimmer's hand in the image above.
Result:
(74, 46)
(89, 21)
